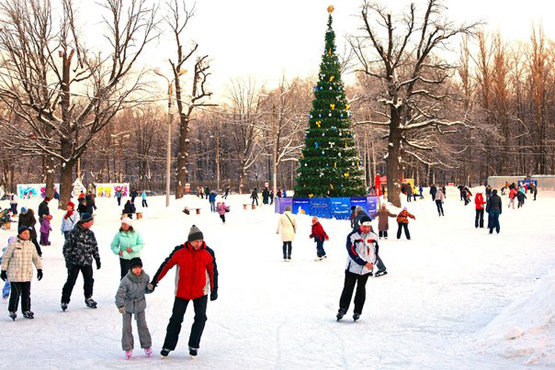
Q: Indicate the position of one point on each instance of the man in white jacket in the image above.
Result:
(362, 249)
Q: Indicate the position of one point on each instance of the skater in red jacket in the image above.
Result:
(196, 277)
(479, 201)
(319, 236)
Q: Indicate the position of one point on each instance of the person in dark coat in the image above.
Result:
(129, 209)
(84, 207)
(520, 196)
(433, 192)
(134, 195)
(265, 196)
(27, 218)
(43, 208)
(254, 196)
(197, 275)
(79, 251)
(494, 209)
(227, 189)
(90, 201)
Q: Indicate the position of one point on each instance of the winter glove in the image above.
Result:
(149, 288)
(213, 295)
(68, 265)
(39, 275)
(129, 250)
(121, 310)
(327, 237)
(98, 264)
(4, 275)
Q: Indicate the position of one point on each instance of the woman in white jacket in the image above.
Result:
(287, 227)
(69, 220)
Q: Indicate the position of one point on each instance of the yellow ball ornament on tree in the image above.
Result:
(331, 9)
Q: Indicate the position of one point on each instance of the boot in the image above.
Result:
(13, 315)
(340, 314)
(64, 306)
(193, 351)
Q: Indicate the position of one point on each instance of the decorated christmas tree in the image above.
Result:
(330, 164)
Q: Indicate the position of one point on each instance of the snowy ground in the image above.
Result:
(436, 309)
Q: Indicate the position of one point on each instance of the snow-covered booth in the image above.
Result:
(338, 208)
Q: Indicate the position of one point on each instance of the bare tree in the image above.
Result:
(286, 121)
(244, 124)
(186, 104)
(63, 93)
(406, 66)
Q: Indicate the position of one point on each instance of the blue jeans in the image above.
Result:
(320, 252)
(6, 290)
(494, 221)
(213, 206)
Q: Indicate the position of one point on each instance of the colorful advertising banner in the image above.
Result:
(31, 191)
(527, 182)
(320, 207)
(301, 206)
(108, 190)
(281, 203)
(340, 208)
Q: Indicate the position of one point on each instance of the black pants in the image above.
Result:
(124, 266)
(383, 234)
(255, 200)
(119, 201)
(287, 246)
(37, 246)
(403, 226)
(320, 252)
(72, 273)
(439, 205)
(174, 326)
(379, 264)
(145, 203)
(223, 218)
(479, 218)
(348, 288)
(22, 289)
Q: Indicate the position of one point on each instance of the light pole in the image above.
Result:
(169, 143)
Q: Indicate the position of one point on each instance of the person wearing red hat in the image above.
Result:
(69, 220)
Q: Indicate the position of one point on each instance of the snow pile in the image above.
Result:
(525, 327)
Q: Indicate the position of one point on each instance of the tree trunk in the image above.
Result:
(49, 170)
(182, 155)
(66, 183)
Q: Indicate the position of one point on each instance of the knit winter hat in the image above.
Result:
(195, 234)
(404, 208)
(22, 229)
(127, 221)
(85, 217)
(135, 262)
(70, 204)
(365, 221)
(23, 210)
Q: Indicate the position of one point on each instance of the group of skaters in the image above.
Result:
(197, 278)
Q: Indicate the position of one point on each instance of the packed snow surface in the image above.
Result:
(455, 296)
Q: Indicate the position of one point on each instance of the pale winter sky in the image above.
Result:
(264, 39)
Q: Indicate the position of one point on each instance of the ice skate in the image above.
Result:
(128, 354)
(91, 303)
(148, 352)
(13, 315)
(28, 315)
